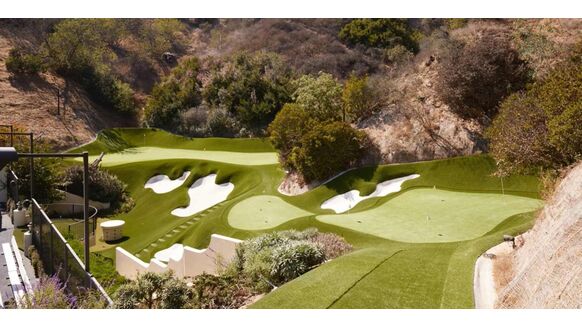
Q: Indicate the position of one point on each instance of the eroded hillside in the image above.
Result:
(546, 269)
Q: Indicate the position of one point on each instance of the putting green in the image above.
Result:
(144, 154)
(263, 212)
(433, 216)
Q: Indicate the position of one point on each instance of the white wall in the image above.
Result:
(193, 262)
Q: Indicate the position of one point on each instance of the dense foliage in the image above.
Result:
(152, 291)
(103, 186)
(359, 99)
(288, 127)
(540, 127)
(473, 78)
(319, 95)
(327, 149)
(179, 91)
(277, 257)
(21, 61)
(380, 33)
(251, 87)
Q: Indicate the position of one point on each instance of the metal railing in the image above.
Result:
(57, 256)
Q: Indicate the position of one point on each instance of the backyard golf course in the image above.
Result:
(415, 238)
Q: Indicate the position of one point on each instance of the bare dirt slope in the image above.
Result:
(31, 103)
(547, 269)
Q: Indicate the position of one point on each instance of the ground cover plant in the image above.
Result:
(421, 271)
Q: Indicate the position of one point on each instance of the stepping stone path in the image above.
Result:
(146, 253)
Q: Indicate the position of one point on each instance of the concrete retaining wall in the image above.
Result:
(193, 262)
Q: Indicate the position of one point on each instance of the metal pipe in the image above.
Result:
(31, 166)
(86, 208)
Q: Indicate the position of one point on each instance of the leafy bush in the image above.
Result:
(333, 245)
(251, 87)
(359, 99)
(327, 149)
(320, 96)
(152, 291)
(178, 92)
(398, 54)
(103, 186)
(474, 78)
(287, 129)
(380, 33)
(219, 292)
(221, 123)
(540, 128)
(46, 174)
(106, 89)
(292, 259)
(156, 36)
(277, 257)
(20, 61)
(49, 293)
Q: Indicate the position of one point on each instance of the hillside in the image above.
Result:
(546, 269)
(411, 122)
(30, 102)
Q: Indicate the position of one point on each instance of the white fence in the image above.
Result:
(193, 262)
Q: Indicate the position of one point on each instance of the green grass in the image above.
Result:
(383, 271)
(433, 216)
(263, 212)
(144, 154)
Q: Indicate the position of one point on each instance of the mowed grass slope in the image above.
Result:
(393, 264)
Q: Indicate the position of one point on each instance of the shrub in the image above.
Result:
(320, 96)
(221, 123)
(474, 78)
(49, 293)
(106, 89)
(152, 291)
(46, 174)
(287, 129)
(333, 245)
(277, 257)
(178, 92)
(251, 87)
(398, 54)
(540, 128)
(219, 292)
(20, 61)
(327, 149)
(380, 33)
(292, 259)
(103, 186)
(359, 99)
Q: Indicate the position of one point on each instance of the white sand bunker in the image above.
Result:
(204, 193)
(162, 184)
(348, 200)
(173, 252)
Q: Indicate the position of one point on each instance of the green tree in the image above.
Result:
(252, 87)
(77, 43)
(160, 35)
(320, 96)
(287, 129)
(380, 33)
(328, 149)
(179, 91)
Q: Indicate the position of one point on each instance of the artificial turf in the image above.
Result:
(263, 212)
(426, 215)
(144, 154)
(382, 271)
